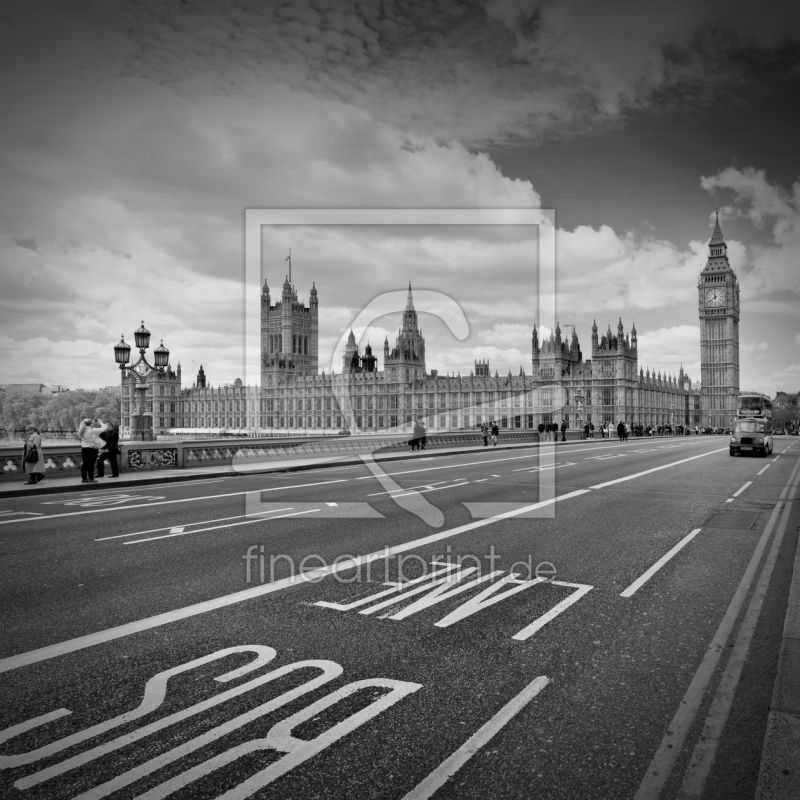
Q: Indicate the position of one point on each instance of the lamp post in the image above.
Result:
(579, 403)
(140, 372)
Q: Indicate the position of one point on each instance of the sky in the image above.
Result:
(134, 135)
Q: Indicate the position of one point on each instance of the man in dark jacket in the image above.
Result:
(564, 430)
(110, 452)
(541, 431)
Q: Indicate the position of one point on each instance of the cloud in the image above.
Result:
(773, 267)
(666, 350)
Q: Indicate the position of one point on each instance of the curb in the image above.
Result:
(229, 473)
(779, 772)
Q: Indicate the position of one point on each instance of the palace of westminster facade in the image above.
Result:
(295, 397)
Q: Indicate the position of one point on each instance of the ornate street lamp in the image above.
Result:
(141, 372)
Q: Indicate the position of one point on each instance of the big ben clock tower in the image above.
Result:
(718, 295)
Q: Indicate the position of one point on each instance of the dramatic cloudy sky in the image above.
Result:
(133, 135)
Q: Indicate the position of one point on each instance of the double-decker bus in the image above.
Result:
(754, 404)
(753, 430)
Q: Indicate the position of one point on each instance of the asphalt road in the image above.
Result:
(479, 625)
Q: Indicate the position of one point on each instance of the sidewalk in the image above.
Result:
(147, 478)
(779, 773)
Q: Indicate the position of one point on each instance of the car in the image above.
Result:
(751, 436)
(344, 432)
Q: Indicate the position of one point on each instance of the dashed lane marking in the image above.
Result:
(656, 469)
(479, 739)
(762, 471)
(640, 581)
(218, 527)
(739, 491)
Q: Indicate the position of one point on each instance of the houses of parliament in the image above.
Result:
(296, 397)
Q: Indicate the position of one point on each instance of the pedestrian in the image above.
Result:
(90, 444)
(554, 431)
(586, 430)
(621, 430)
(591, 429)
(541, 431)
(110, 451)
(495, 434)
(625, 431)
(416, 437)
(485, 433)
(423, 439)
(563, 430)
(32, 456)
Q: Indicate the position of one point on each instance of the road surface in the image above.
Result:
(596, 619)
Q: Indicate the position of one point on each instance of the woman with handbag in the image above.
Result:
(32, 456)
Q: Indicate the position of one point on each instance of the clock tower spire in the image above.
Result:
(718, 306)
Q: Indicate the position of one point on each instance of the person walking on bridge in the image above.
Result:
(33, 466)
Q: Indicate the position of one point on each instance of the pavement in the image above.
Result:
(653, 664)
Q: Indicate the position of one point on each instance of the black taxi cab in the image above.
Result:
(752, 436)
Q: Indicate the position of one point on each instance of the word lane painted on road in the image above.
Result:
(446, 581)
(372, 696)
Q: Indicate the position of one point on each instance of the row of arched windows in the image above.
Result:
(299, 344)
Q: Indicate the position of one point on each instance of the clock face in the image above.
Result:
(715, 297)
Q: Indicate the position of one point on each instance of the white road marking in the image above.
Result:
(777, 457)
(391, 491)
(494, 476)
(218, 527)
(762, 471)
(479, 739)
(109, 634)
(15, 513)
(705, 750)
(428, 491)
(481, 480)
(331, 504)
(582, 589)
(739, 491)
(185, 525)
(729, 500)
(640, 581)
(656, 469)
(605, 458)
(170, 502)
(660, 768)
(542, 469)
(176, 529)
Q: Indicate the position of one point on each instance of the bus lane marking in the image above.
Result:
(446, 581)
(292, 751)
(479, 739)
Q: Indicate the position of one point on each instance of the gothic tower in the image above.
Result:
(718, 306)
(289, 334)
(406, 362)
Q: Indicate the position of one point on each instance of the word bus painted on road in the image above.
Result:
(382, 693)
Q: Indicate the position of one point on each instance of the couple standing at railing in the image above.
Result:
(101, 439)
